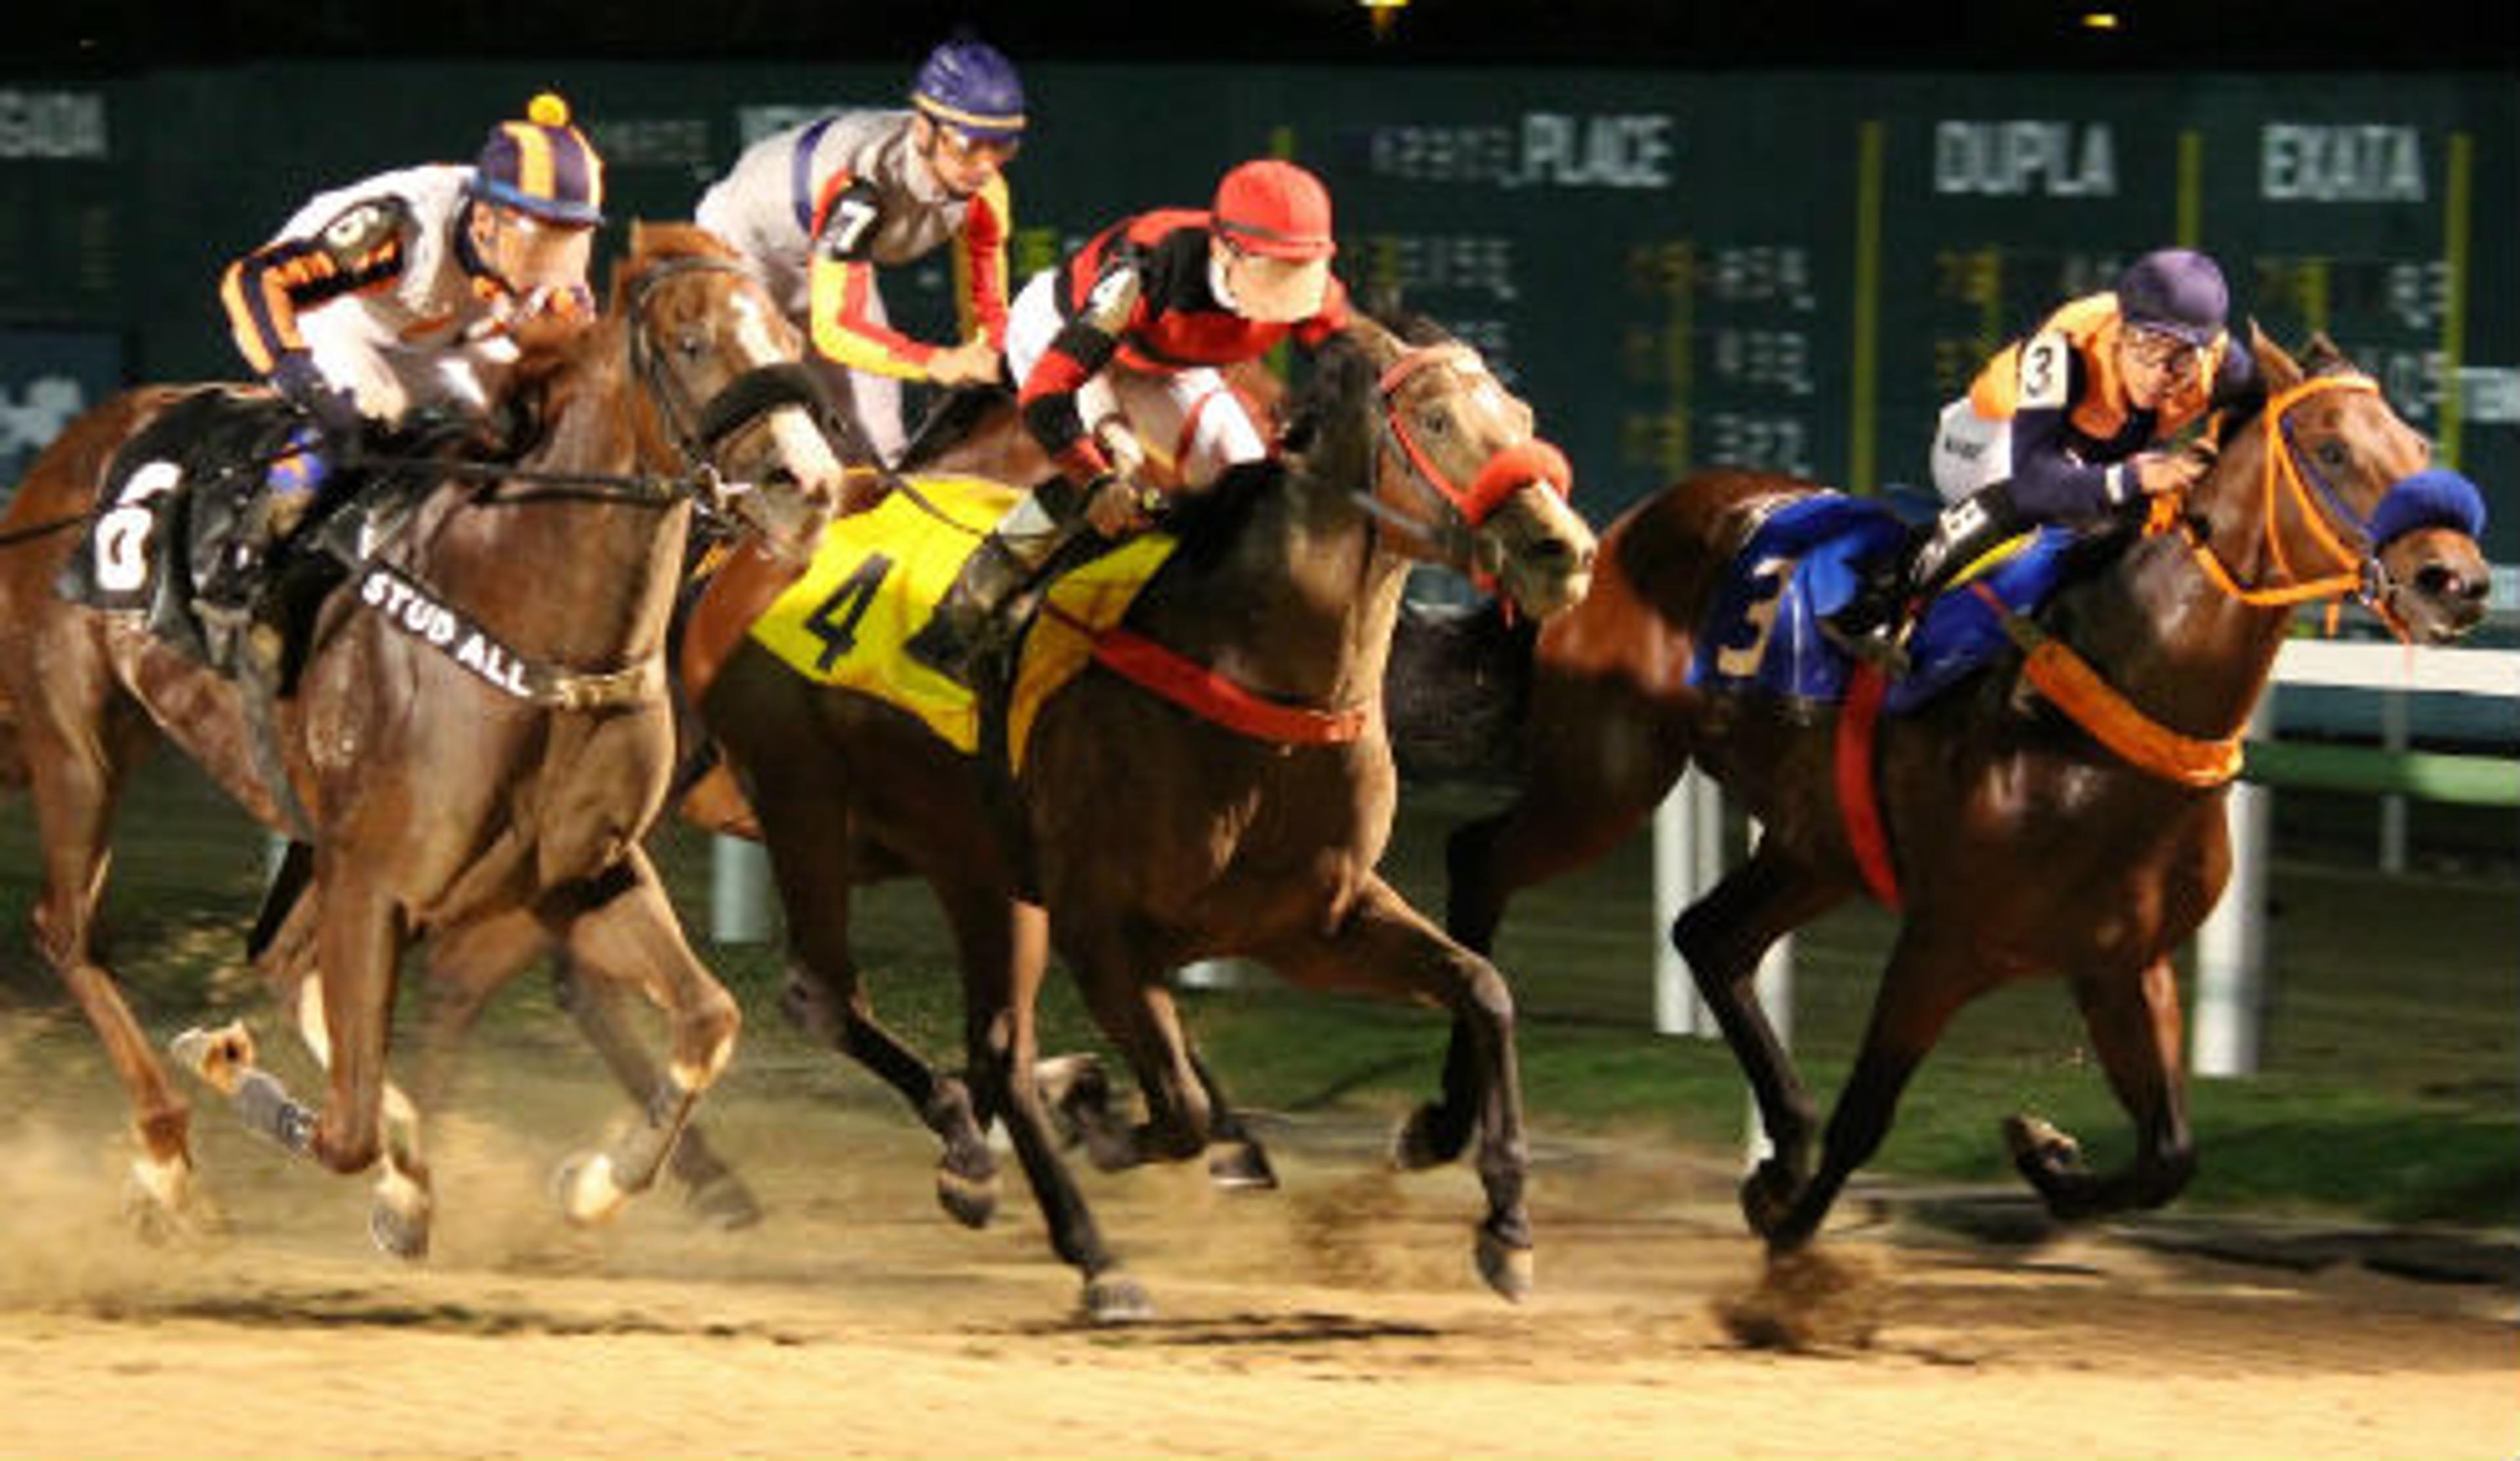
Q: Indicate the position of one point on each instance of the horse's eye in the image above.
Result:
(2333, 455)
(1435, 420)
(691, 344)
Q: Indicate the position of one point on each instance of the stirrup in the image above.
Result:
(1880, 646)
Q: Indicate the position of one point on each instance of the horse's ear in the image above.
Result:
(2322, 354)
(2280, 370)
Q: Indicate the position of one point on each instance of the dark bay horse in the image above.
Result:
(479, 739)
(2020, 843)
(1154, 835)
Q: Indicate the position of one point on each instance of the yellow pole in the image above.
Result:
(1861, 449)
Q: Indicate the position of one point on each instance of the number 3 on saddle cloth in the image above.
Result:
(1806, 559)
(177, 499)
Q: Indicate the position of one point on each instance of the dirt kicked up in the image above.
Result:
(1336, 1317)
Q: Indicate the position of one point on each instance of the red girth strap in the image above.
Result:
(1857, 804)
(1211, 696)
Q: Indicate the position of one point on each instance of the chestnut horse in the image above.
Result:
(501, 773)
(1153, 834)
(2018, 842)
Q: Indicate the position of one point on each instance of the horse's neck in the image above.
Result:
(1304, 604)
(570, 572)
(2193, 656)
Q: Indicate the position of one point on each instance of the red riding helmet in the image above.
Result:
(1276, 209)
(542, 167)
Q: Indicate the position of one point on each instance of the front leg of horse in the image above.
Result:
(623, 928)
(1387, 946)
(2135, 1028)
(836, 1012)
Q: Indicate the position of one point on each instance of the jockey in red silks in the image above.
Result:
(399, 293)
(819, 207)
(1116, 350)
(2073, 424)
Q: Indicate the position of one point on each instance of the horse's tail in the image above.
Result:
(1456, 689)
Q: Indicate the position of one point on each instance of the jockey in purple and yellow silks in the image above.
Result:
(819, 207)
(398, 295)
(2073, 424)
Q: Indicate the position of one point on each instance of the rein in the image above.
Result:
(2284, 478)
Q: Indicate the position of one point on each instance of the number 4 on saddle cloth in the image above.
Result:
(877, 574)
(1807, 558)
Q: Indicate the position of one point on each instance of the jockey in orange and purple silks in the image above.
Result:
(2072, 424)
(819, 207)
(399, 294)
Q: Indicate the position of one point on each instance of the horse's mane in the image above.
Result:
(1328, 432)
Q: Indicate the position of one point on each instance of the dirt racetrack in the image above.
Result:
(1336, 1317)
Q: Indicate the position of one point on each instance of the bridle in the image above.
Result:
(2350, 543)
(1459, 508)
(697, 430)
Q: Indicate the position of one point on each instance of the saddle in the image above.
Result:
(1807, 558)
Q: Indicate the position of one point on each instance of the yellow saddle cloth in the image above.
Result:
(877, 574)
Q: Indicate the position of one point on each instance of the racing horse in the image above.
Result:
(2061, 810)
(1231, 802)
(480, 735)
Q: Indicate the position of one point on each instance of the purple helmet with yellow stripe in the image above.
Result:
(542, 167)
(968, 85)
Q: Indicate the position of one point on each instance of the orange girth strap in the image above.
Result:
(2070, 683)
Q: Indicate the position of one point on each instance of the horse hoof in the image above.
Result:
(1078, 1094)
(1767, 1196)
(2035, 1143)
(1117, 1298)
(162, 1207)
(1505, 1266)
(586, 1191)
(1240, 1165)
(971, 1201)
(1418, 1145)
(723, 1202)
(398, 1235)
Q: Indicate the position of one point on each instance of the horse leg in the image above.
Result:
(1572, 811)
(2136, 1029)
(620, 925)
(78, 740)
(1721, 937)
(1006, 954)
(1384, 945)
(1919, 993)
(712, 1192)
(1236, 1159)
(1138, 1015)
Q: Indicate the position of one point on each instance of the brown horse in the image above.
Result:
(2020, 842)
(1153, 835)
(480, 736)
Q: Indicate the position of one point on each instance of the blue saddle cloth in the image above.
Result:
(1806, 560)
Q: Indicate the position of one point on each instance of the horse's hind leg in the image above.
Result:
(2135, 1027)
(1005, 951)
(621, 926)
(1721, 937)
(78, 740)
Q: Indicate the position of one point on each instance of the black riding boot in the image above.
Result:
(966, 619)
(1871, 627)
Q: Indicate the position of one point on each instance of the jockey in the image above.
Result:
(399, 293)
(2071, 424)
(817, 207)
(1117, 350)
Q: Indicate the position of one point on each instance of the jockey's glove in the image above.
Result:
(331, 408)
(1117, 505)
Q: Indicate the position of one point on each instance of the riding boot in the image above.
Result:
(1872, 626)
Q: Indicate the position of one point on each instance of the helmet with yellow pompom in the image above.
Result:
(542, 165)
